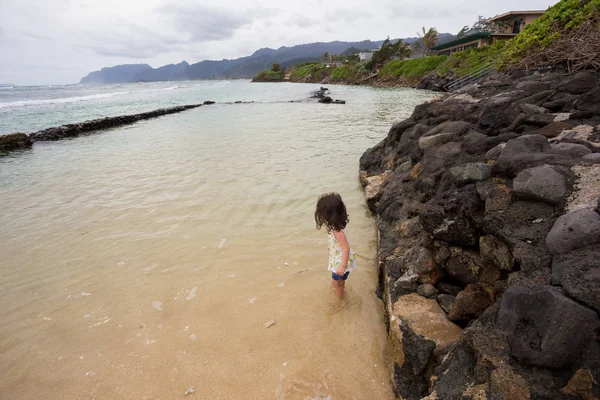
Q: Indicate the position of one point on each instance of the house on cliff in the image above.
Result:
(509, 25)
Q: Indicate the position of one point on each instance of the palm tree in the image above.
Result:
(402, 49)
(325, 57)
(428, 38)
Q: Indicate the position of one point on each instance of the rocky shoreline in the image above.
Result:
(16, 141)
(487, 207)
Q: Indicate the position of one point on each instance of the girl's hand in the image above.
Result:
(340, 271)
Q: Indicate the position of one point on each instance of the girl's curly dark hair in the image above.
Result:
(331, 212)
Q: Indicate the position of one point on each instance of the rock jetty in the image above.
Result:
(17, 141)
(487, 206)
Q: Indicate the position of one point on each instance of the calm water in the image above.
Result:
(143, 261)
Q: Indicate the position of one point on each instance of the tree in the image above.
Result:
(276, 67)
(463, 31)
(402, 49)
(483, 25)
(325, 57)
(428, 38)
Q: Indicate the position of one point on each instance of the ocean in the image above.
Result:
(145, 260)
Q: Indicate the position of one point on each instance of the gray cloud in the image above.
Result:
(303, 21)
(347, 14)
(91, 34)
(205, 23)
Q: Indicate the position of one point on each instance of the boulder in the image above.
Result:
(581, 385)
(496, 252)
(373, 190)
(495, 152)
(505, 384)
(427, 142)
(464, 265)
(455, 374)
(574, 230)
(578, 272)
(590, 101)
(470, 173)
(554, 129)
(579, 83)
(417, 348)
(472, 302)
(448, 288)
(524, 152)
(541, 183)
(14, 141)
(423, 332)
(540, 119)
(533, 109)
(419, 261)
(325, 99)
(426, 318)
(446, 301)
(570, 149)
(593, 158)
(532, 87)
(454, 216)
(524, 226)
(544, 327)
(427, 290)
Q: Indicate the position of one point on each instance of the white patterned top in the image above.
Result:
(335, 254)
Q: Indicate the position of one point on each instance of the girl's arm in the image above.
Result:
(341, 238)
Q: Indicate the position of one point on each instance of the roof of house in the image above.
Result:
(515, 13)
(464, 39)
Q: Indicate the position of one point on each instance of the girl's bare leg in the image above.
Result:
(338, 286)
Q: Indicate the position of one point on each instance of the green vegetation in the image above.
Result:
(411, 70)
(305, 69)
(557, 22)
(465, 62)
(341, 72)
(276, 74)
(428, 38)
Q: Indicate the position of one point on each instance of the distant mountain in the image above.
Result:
(118, 74)
(245, 67)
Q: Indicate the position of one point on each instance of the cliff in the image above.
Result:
(487, 206)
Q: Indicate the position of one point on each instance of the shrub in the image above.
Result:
(412, 69)
(556, 22)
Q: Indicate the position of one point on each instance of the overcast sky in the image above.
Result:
(59, 41)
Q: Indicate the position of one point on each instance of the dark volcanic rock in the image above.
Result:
(488, 245)
(524, 226)
(571, 149)
(579, 83)
(541, 183)
(427, 290)
(454, 216)
(496, 252)
(472, 302)
(574, 230)
(464, 265)
(544, 327)
(74, 130)
(446, 301)
(14, 141)
(578, 272)
(526, 152)
(408, 379)
(456, 373)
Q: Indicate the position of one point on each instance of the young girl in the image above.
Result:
(331, 212)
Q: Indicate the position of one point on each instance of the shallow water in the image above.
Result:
(144, 261)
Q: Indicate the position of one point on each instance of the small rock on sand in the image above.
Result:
(269, 324)
(190, 391)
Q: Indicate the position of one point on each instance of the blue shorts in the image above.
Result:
(337, 277)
